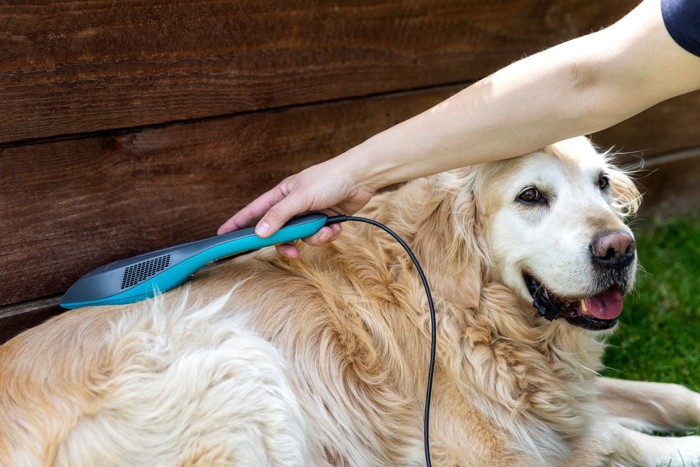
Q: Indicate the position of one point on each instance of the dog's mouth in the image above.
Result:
(596, 313)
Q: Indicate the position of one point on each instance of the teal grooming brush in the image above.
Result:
(140, 277)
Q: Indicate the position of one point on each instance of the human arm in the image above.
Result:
(578, 87)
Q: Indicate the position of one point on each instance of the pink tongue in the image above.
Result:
(607, 305)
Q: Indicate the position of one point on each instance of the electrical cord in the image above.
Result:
(431, 305)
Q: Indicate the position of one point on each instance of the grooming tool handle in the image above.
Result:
(140, 277)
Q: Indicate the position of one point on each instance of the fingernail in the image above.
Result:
(262, 228)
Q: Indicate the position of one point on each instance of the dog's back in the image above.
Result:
(323, 360)
(217, 372)
(147, 385)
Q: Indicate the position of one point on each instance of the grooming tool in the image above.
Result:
(140, 277)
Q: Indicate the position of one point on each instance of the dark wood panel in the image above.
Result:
(15, 319)
(671, 185)
(69, 206)
(671, 126)
(77, 66)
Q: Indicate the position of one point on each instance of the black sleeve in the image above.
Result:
(682, 19)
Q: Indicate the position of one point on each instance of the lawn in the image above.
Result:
(658, 338)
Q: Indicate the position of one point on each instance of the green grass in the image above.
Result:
(658, 338)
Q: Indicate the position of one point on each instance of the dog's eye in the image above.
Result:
(603, 182)
(530, 195)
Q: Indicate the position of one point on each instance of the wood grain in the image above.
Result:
(670, 126)
(69, 206)
(15, 319)
(670, 184)
(79, 66)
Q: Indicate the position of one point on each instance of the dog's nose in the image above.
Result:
(613, 249)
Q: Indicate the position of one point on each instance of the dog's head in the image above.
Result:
(553, 227)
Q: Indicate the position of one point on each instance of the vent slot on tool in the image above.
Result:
(139, 272)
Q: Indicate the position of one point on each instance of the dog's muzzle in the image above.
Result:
(613, 254)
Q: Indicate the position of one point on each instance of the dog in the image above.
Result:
(323, 360)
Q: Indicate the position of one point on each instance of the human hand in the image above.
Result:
(327, 187)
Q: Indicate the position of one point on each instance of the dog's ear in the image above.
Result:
(456, 236)
(626, 197)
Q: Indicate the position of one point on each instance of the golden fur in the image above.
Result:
(323, 360)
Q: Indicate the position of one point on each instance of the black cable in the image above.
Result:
(431, 305)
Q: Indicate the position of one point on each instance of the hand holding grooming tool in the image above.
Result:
(140, 277)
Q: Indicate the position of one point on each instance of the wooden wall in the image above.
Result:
(129, 126)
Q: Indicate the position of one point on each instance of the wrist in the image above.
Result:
(363, 167)
(378, 162)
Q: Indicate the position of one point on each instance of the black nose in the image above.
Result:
(613, 249)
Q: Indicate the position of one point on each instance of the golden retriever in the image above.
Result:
(323, 360)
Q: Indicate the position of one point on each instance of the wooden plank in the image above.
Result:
(670, 184)
(15, 319)
(70, 205)
(78, 66)
(668, 127)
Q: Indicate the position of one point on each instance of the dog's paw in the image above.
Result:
(637, 448)
(687, 453)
